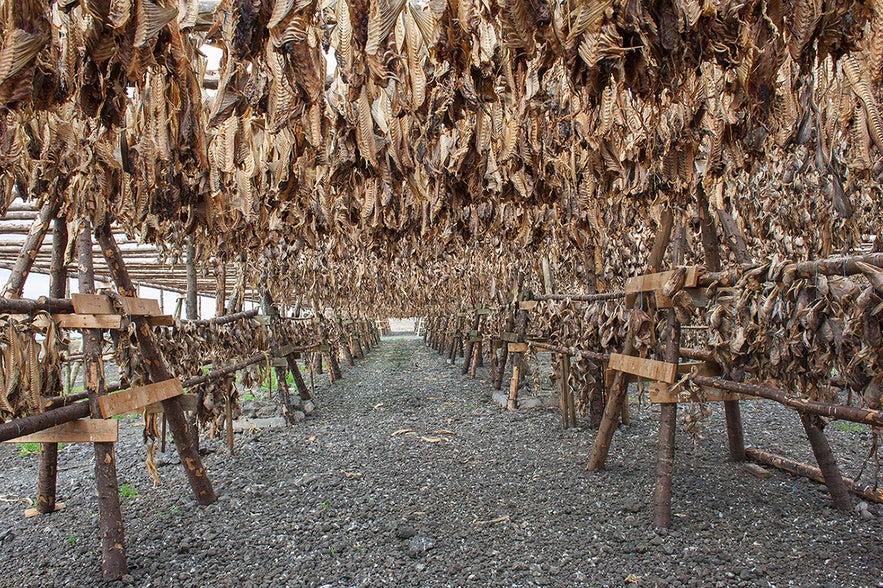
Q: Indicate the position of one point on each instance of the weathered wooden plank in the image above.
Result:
(134, 399)
(263, 320)
(89, 321)
(527, 304)
(650, 369)
(141, 306)
(654, 282)
(286, 350)
(322, 348)
(518, 347)
(79, 431)
(279, 362)
(483, 311)
(92, 304)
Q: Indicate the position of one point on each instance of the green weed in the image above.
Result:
(175, 510)
(25, 449)
(326, 504)
(128, 491)
(850, 427)
(72, 540)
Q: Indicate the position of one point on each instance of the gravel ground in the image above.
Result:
(408, 475)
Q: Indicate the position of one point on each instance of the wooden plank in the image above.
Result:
(89, 321)
(141, 306)
(483, 311)
(517, 347)
(650, 369)
(79, 431)
(475, 338)
(702, 368)
(527, 304)
(279, 362)
(134, 399)
(322, 348)
(286, 350)
(188, 404)
(472, 333)
(163, 320)
(92, 304)
(654, 282)
(263, 319)
(509, 337)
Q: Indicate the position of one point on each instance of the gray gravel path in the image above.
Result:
(408, 475)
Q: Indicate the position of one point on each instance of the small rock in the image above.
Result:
(631, 505)
(656, 540)
(298, 416)
(309, 407)
(405, 531)
(128, 579)
(7, 534)
(419, 545)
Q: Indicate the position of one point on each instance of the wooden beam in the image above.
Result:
(133, 399)
(89, 321)
(92, 304)
(80, 431)
(650, 369)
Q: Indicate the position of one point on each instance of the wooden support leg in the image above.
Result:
(479, 356)
(563, 390)
(512, 403)
(493, 350)
(825, 458)
(609, 423)
(476, 357)
(48, 468)
(668, 415)
(302, 389)
(333, 364)
(110, 519)
(735, 438)
(501, 367)
(347, 354)
(159, 371)
(228, 422)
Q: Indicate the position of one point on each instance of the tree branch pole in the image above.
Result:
(191, 313)
(158, 371)
(110, 520)
(48, 467)
(813, 473)
(29, 250)
(827, 464)
(710, 244)
(668, 415)
(470, 345)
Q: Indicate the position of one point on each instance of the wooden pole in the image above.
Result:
(813, 473)
(28, 252)
(517, 360)
(190, 307)
(159, 371)
(668, 415)
(110, 520)
(711, 247)
(563, 388)
(221, 288)
(48, 467)
(827, 464)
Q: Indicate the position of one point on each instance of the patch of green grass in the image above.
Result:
(851, 427)
(473, 406)
(326, 504)
(128, 491)
(175, 510)
(360, 549)
(25, 449)
(331, 551)
(72, 540)
(249, 397)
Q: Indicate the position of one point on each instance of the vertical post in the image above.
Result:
(110, 520)
(517, 359)
(563, 389)
(825, 458)
(470, 345)
(711, 247)
(668, 415)
(191, 309)
(159, 371)
(48, 468)
(221, 287)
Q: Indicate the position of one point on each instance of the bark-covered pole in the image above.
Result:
(29, 250)
(470, 345)
(190, 303)
(711, 246)
(825, 458)
(110, 520)
(48, 468)
(158, 371)
(668, 414)
(221, 287)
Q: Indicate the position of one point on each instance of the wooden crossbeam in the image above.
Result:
(518, 347)
(649, 369)
(134, 399)
(89, 321)
(79, 431)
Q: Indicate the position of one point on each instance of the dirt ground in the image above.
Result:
(409, 475)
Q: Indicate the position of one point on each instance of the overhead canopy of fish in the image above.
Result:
(413, 154)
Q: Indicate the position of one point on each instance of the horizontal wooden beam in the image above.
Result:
(650, 369)
(79, 431)
(134, 399)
